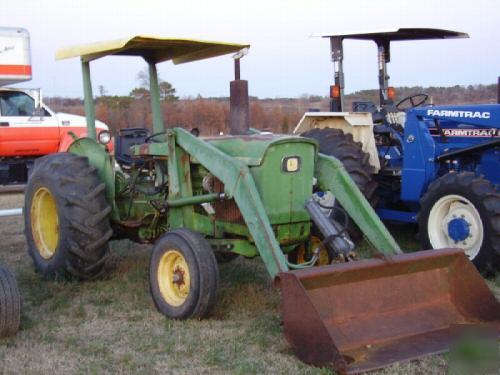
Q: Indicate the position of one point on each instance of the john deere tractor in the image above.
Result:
(246, 194)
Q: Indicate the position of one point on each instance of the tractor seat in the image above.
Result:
(127, 138)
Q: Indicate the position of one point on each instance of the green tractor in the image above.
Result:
(250, 194)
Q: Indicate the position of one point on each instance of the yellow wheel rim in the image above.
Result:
(173, 278)
(45, 222)
(323, 253)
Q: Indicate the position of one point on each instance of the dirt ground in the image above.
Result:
(111, 325)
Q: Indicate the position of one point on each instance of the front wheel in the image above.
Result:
(462, 211)
(183, 275)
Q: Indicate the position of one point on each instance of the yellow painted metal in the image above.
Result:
(45, 222)
(173, 277)
(152, 48)
(323, 253)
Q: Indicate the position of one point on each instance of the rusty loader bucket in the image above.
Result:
(364, 315)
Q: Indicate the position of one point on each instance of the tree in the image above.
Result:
(102, 90)
(139, 93)
(167, 91)
(143, 78)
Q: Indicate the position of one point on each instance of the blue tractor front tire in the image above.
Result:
(461, 210)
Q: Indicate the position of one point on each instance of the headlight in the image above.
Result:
(104, 137)
(290, 164)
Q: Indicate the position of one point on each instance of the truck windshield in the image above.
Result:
(16, 104)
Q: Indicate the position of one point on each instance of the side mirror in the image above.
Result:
(37, 97)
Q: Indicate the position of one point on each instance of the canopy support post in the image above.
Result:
(154, 91)
(88, 100)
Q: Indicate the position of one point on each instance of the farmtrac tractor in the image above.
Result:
(245, 194)
(434, 165)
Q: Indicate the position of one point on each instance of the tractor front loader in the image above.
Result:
(247, 194)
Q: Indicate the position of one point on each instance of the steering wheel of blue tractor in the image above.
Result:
(415, 101)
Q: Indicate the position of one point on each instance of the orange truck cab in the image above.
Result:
(28, 128)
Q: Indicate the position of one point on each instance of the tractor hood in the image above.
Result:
(252, 149)
(478, 114)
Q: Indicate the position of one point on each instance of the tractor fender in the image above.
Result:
(360, 125)
(99, 158)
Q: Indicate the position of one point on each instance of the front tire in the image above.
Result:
(461, 210)
(183, 275)
(66, 218)
(10, 304)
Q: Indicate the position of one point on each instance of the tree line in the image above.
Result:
(211, 115)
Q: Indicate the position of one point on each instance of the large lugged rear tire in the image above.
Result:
(462, 210)
(183, 275)
(10, 304)
(334, 142)
(66, 218)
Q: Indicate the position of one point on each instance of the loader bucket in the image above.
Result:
(364, 315)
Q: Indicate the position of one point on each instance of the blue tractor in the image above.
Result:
(436, 166)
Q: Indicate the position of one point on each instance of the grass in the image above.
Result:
(111, 325)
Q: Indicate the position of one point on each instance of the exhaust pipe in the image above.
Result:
(239, 109)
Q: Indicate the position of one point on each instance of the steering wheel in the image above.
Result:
(361, 107)
(415, 101)
(150, 139)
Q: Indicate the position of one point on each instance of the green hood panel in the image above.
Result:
(252, 149)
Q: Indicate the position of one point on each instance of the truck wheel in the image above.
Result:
(461, 210)
(10, 304)
(183, 275)
(66, 217)
(334, 142)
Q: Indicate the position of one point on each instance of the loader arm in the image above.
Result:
(332, 176)
(240, 185)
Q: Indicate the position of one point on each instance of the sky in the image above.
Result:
(284, 60)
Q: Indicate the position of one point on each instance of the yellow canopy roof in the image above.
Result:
(152, 48)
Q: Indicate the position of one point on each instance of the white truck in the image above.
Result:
(28, 128)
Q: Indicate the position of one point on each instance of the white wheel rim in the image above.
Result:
(453, 207)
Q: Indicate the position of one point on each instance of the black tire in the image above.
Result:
(483, 198)
(198, 299)
(334, 142)
(82, 217)
(10, 304)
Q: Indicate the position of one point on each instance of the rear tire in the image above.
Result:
(10, 304)
(183, 275)
(334, 142)
(66, 218)
(463, 211)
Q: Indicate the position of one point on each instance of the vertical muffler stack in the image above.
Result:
(239, 109)
(364, 315)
